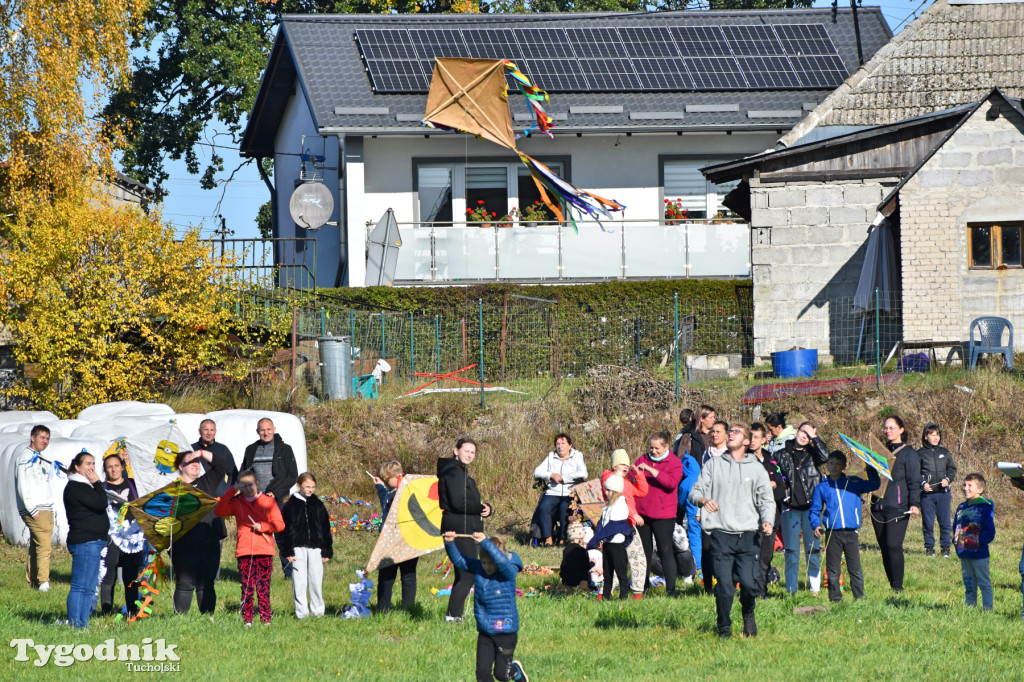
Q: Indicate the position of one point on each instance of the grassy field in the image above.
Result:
(924, 632)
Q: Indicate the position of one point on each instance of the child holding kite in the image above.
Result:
(307, 545)
(974, 528)
(494, 605)
(257, 519)
(835, 513)
(387, 485)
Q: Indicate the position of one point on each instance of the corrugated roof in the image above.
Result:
(950, 55)
(322, 50)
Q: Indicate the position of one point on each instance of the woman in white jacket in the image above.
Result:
(559, 472)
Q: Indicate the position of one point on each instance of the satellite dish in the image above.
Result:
(382, 251)
(311, 205)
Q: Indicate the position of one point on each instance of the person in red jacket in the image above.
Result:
(663, 472)
(634, 486)
(257, 518)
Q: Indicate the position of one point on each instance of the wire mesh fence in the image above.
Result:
(528, 339)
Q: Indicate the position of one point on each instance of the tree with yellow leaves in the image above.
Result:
(99, 299)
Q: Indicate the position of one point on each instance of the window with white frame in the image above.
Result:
(464, 192)
(688, 194)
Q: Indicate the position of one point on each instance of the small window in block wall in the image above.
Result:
(994, 245)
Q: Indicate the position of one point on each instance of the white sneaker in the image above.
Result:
(452, 619)
(688, 580)
(44, 587)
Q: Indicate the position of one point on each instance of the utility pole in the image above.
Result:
(223, 232)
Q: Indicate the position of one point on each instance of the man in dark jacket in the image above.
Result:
(799, 463)
(196, 556)
(937, 473)
(276, 471)
(758, 438)
(208, 441)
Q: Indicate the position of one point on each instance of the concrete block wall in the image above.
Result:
(977, 177)
(807, 253)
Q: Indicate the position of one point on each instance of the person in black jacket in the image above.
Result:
(307, 545)
(208, 441)
(938, 471)
(196, 555)
(758, 437)
(85, 504)
(799, 462)
(902, 496)
(461, 512)
(276, 471)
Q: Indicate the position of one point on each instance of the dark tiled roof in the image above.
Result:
(322, 50)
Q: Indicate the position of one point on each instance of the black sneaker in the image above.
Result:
(516, 672)
(929, 551)
(725, 634)
(945, 552)
(749, 625)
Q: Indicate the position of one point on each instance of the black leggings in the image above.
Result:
(615, 562)
(386, 581)
(463, 579)
(661, 529)
(494, 652)
(890, 530)
(130, 565)
(195, 570)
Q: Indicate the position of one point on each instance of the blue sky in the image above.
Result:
(187, 204)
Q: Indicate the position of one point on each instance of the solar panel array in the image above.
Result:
(608, 59)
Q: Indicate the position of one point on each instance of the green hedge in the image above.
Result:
(734, 292)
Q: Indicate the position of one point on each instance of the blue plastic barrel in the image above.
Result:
(789, 364)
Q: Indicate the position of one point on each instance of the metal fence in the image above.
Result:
(526, 338)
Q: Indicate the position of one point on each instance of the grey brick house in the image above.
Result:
(917, 136)
(640, 101)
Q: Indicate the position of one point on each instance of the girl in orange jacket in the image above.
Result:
(257, 518)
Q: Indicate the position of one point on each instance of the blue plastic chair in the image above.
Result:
(991, 332)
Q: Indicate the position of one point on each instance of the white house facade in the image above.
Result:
(640, 102)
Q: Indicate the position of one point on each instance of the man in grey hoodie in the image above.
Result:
(736, 496)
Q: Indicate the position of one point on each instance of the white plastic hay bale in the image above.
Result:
(123, 408)
(60, 428)
(110, 429)
(61, 449)
(26, 416)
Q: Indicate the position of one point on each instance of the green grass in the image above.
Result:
(925, 632)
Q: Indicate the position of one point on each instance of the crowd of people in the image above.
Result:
(709, 505)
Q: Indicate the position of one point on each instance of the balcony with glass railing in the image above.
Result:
(548, 251)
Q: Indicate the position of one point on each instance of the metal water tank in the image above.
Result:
(336, 370)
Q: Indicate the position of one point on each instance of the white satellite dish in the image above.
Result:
(311, 205)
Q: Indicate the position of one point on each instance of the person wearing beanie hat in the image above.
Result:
(620, 456)
(575, 568)
(634, 486)
(615, 532)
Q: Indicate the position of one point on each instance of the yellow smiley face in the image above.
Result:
(419, 514)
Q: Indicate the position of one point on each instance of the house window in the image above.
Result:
(487, 188)
(994, 245)
(685, 187)
(447, 191)
(435, 193)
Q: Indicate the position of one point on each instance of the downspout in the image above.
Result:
(342, 213)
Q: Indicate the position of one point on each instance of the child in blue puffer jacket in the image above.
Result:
(494, 605)
(835, 512)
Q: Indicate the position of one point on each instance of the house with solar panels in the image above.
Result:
(640, 102)
(909, 179)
